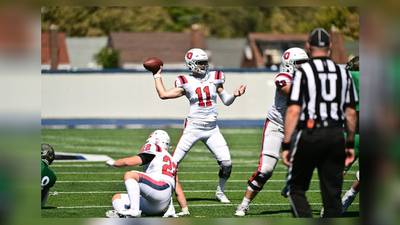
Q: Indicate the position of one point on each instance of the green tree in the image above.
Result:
(217, 21)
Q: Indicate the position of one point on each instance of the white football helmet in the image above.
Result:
(161, 138)
(291, 58)
(197, 61)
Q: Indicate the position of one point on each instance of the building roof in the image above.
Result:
(258, 43)
(135, 47)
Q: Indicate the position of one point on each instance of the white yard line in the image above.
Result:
(182, 181)
(184, 172)
(191, 205)
(186, 191)
(202, 165)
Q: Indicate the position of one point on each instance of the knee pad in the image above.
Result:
(257, 181)
(225, 169)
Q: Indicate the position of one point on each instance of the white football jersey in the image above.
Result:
(162, 166)
(202, 94)
(277, 111)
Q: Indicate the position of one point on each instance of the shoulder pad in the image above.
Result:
(180, 81)
(150, 148)
(219, 77)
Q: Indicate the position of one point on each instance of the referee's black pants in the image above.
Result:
(321, 148)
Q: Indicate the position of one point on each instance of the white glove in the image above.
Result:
(185, 212)
(110, 162)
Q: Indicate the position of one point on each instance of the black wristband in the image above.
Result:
(285, 145)
(349, 144)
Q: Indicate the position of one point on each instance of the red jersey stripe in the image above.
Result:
(158, 183)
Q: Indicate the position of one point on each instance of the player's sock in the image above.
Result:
(245, 202)
(132, 186)
(348, 198)
(222, 182)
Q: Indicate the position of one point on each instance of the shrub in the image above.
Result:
(108, 58)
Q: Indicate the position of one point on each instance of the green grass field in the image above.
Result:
(84, 189)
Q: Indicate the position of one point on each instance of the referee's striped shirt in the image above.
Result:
(323, 90)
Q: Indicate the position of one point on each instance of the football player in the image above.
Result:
(149, 192)
(48, 176)
(354, 67)
(201, 87)
(273, 128)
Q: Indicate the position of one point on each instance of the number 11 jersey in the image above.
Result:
(202, 94)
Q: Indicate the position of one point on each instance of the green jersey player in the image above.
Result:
(350, 195)
(48, 177)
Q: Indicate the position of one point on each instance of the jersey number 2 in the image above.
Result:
(206, 89)
(169, 168)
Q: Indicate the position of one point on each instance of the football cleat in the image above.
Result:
(241, 210)
(285, 191)
(131, 213)
(170, 212)
(220, 196)
(113, 214)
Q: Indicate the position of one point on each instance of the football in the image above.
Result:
(153, 64)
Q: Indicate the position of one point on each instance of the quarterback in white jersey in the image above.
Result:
(273, 128)
(149, 192)
(201, 88)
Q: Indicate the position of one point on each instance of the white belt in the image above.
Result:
(205, 124)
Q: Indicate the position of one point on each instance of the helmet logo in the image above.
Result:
(189, 55)
(286, 55)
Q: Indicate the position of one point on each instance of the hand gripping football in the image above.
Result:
(153, 64)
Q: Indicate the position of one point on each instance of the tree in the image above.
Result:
(217, 21)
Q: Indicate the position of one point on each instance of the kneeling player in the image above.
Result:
(149, 192)
(273, 128)
(48, 176)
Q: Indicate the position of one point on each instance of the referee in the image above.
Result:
(321, 99)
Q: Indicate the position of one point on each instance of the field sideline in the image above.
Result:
(84, 189)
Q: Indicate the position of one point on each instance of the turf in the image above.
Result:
(85, 189)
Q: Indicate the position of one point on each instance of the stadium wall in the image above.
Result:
(124, 96)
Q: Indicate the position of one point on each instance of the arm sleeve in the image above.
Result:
(226, 98)
(297, 89)
(146, 158)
